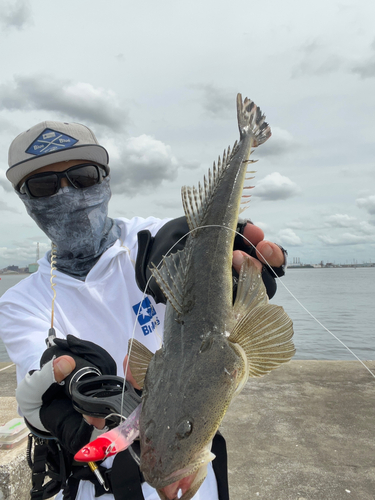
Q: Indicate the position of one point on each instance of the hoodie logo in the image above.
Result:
(49, 141)
(146, 316)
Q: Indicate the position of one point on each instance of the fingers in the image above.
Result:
(266, 251)
(270, 253)
(253, 233)
(97, 422)
(62, 367)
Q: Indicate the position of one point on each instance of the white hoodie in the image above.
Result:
(101, 309)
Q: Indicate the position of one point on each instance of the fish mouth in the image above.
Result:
(184, 483)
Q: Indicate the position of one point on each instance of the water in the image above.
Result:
(341, 299)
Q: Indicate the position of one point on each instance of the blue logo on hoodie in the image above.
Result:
(146, 316)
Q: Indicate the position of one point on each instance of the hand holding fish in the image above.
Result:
(266, 251)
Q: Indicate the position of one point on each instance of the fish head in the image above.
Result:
(185, 397)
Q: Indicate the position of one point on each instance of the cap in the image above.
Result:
(51, 142)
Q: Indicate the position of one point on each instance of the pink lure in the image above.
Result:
(113, 441)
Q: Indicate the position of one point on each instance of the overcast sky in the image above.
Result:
(157, 82)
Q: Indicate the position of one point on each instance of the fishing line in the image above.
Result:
(270, 267)
(305, 309)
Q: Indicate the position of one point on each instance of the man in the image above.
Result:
(99, 269)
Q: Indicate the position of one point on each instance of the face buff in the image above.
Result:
(76, 221)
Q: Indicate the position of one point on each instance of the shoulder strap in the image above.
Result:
(220, 465)
(39, 461)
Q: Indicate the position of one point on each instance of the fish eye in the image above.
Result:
(184, 429)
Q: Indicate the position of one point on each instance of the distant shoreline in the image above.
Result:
(338, 266)
(292, 266)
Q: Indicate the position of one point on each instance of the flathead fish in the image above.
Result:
(210, 346)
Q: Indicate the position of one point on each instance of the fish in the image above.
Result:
(211, 346)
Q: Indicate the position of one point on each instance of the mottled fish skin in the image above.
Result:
(192, 379)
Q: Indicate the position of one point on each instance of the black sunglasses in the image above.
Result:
(48, 183)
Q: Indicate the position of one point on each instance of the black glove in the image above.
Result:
(87, 355)
(151, 249)
(46, 404)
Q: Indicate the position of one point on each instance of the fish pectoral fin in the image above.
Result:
(139, 359)
(265, 334)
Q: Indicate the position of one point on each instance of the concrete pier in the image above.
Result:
(303, 432)
(15, 474)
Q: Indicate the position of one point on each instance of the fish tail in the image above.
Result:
(251, 121)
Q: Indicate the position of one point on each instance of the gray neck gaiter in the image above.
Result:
(76, 221)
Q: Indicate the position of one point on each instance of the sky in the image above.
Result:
(157, 83)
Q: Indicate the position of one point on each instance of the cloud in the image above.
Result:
(4, 207)
(6, 185)
(6, 126)
(315, 60)
(280, 143)
(217, 102)
(366, 227)
(22, 255)
(79, 101)
(169, 204)
(366, 69)
(341, 220)
(346, 239)
(288, 237)
(142, 162)
(276, 187)
(16, 14)
(367, 203)
(297, 224)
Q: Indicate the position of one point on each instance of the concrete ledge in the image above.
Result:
(304, 431)
(15, 474)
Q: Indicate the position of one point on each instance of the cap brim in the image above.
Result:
(91, 152)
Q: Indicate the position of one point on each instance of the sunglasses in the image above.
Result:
(48, 183)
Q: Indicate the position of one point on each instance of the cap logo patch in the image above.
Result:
(49, 141)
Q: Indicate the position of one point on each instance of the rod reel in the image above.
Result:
(105, 396)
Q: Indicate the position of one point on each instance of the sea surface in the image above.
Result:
(341, 299)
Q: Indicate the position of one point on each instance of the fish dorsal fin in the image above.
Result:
(197, 200)
(171, 277)
(139, 360)
(263, 330)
